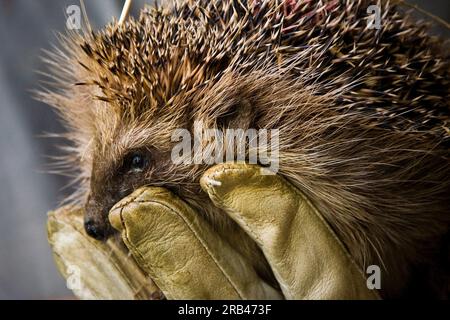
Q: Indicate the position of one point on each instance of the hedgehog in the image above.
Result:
(362, 113)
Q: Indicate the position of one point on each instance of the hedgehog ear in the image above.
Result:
(239, 116)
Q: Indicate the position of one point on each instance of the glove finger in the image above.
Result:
(306, 257)
(181, 252)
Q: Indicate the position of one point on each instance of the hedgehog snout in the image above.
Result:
(96, 223)
(93, 230)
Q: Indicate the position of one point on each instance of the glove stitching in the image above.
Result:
(189, 227)
(343, 252)
(125, 276)
(130, 199)
(128, 243)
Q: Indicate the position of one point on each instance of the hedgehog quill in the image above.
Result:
(363, 115)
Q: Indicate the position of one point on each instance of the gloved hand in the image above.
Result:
(186, 259)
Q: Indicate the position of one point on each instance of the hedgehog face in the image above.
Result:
(124, 156)
(108, 187)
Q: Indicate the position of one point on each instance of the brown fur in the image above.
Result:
(363, 118)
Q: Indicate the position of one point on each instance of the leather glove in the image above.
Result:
(186, 259)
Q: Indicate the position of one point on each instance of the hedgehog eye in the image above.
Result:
(137, 162)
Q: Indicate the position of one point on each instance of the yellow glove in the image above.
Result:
(181, 252)
(188, 260)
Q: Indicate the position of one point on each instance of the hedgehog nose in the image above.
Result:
(93, 230)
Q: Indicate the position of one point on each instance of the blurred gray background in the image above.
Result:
(26, 191)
